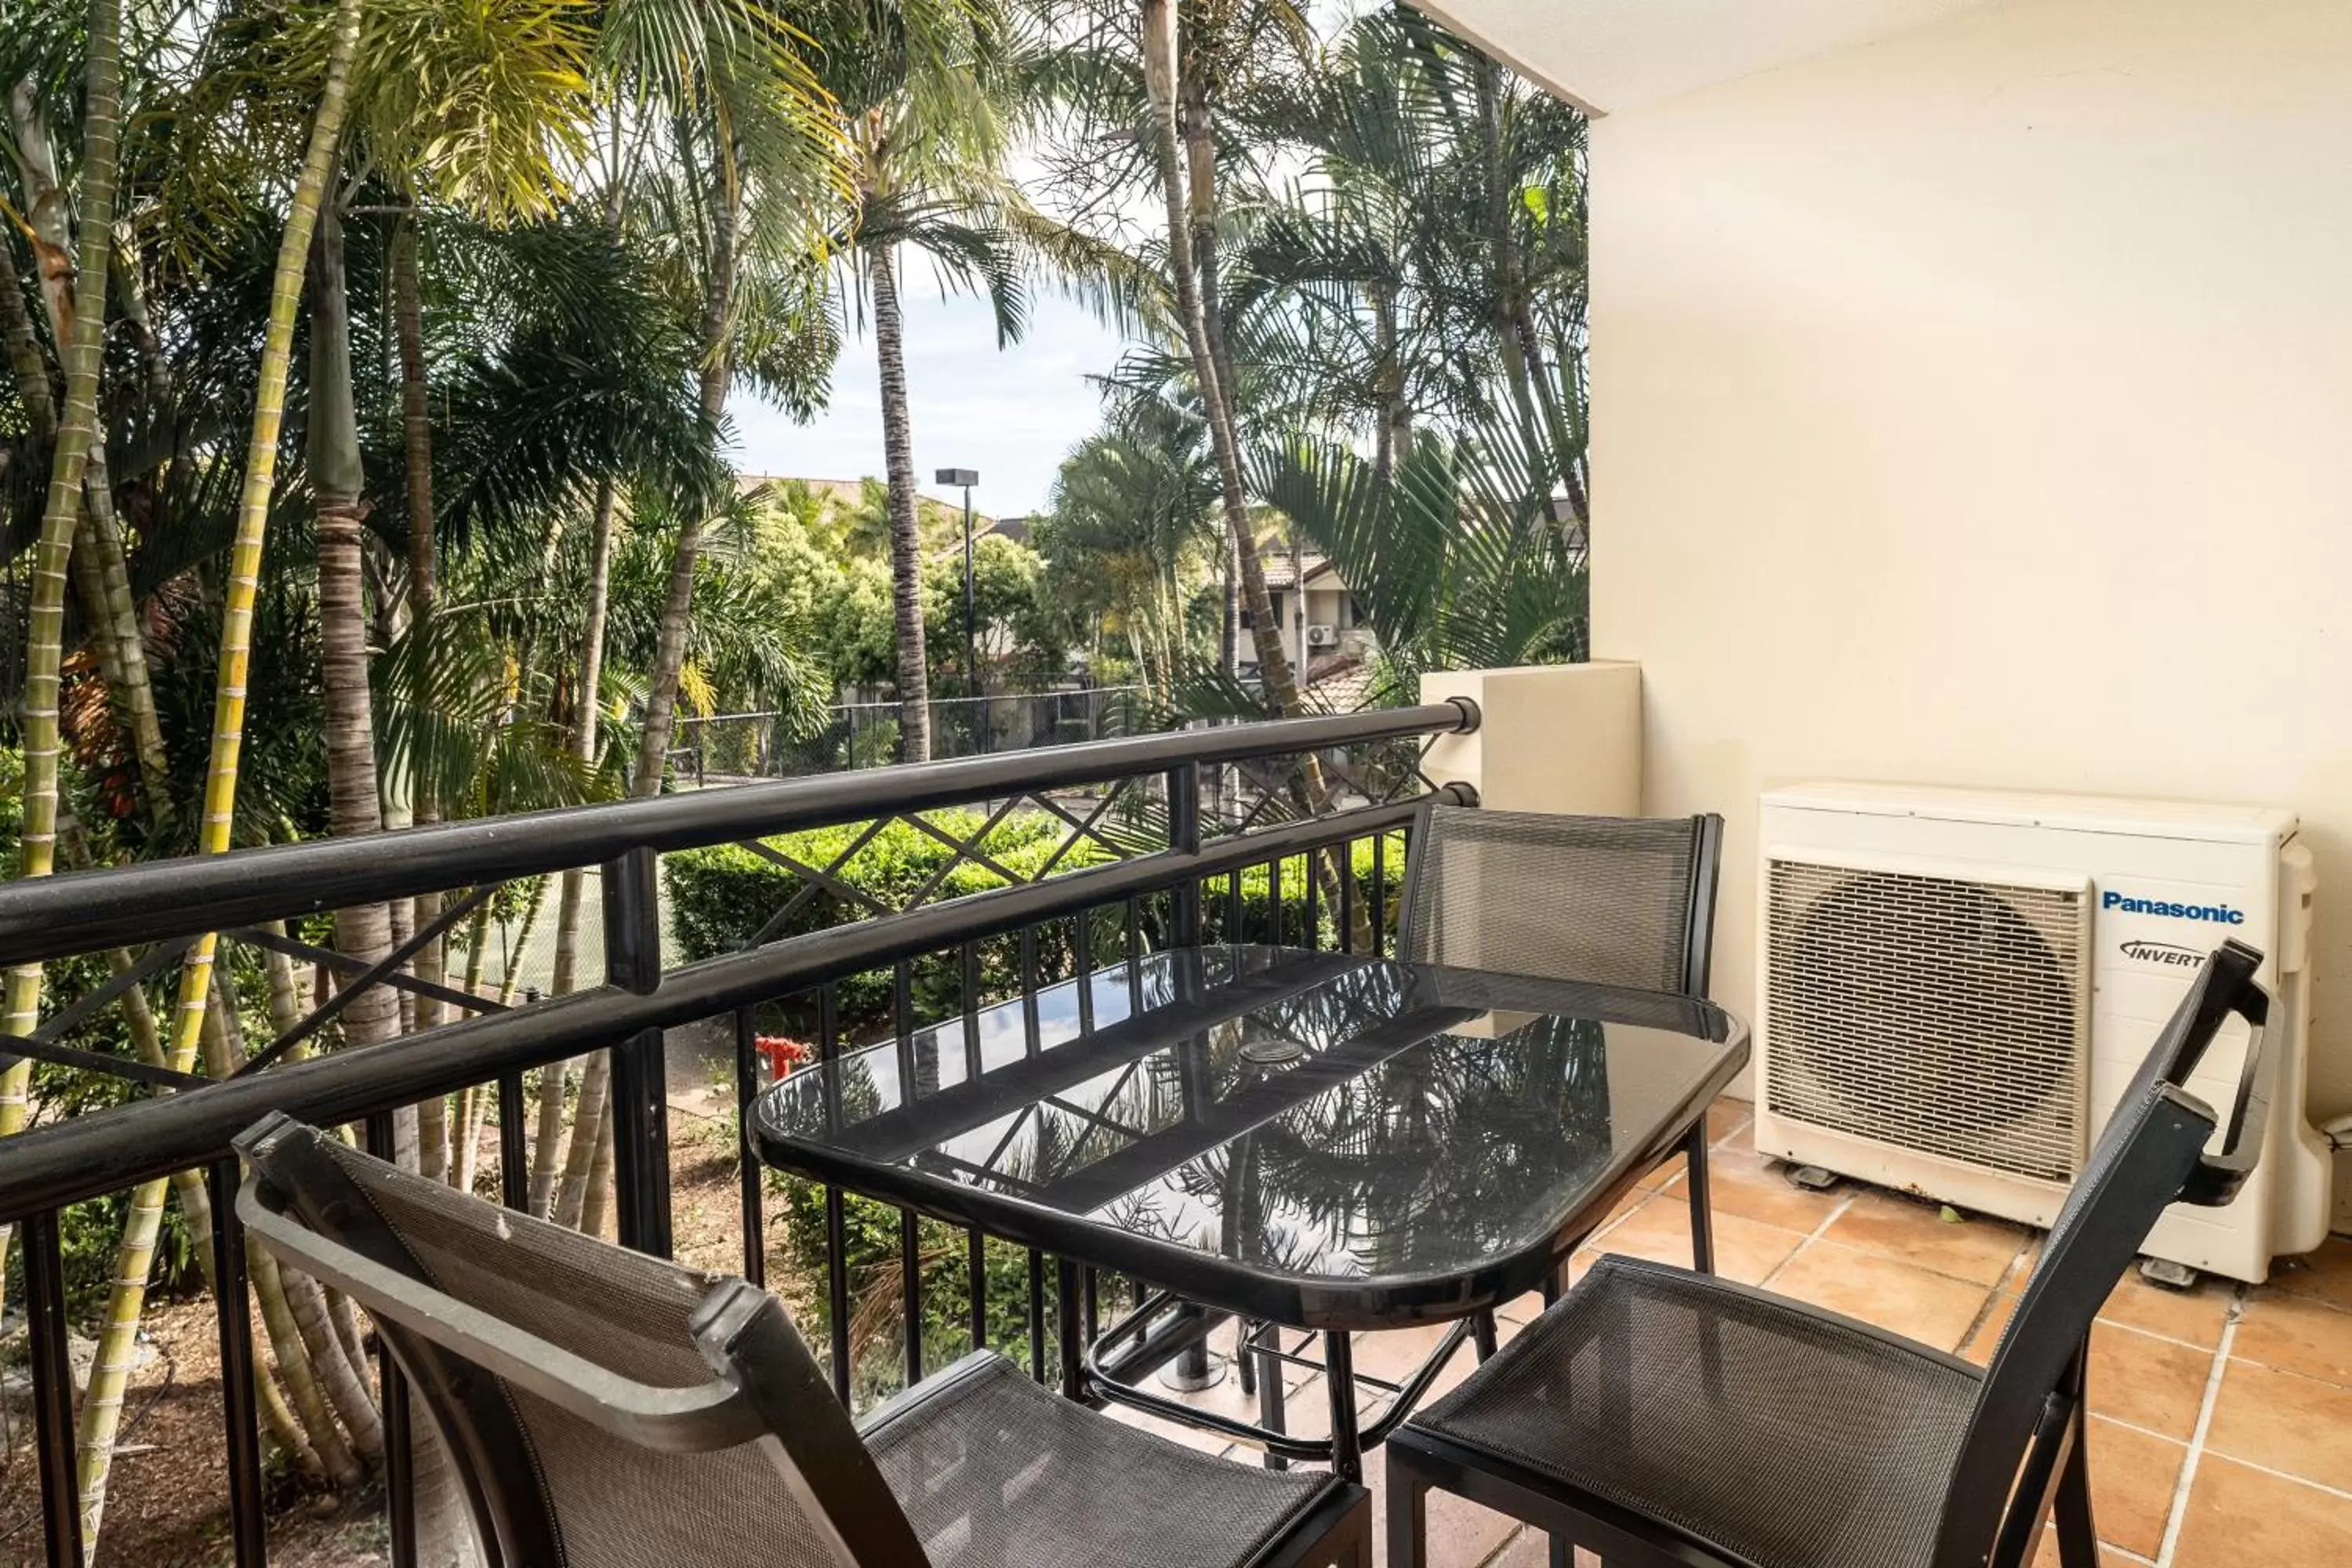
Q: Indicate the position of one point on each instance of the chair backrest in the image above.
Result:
(2150, 1155)
(1612, 901)
(601, 1406)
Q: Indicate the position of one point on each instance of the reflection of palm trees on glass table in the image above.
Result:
(1312, 1141)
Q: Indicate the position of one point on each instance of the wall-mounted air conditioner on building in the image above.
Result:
(1322, 637)
(1956, 985)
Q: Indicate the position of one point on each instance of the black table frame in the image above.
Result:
(1198, 1292)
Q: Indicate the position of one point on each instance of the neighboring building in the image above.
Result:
(1321, 631)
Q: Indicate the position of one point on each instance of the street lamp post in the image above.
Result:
(967, 478)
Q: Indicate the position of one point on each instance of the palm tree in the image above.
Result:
(1456, 556)
(929, 134)
(1132, 520)
(102, 1405)
(75, 431)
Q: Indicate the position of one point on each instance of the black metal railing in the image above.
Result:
(734, 748)
(1135, 862)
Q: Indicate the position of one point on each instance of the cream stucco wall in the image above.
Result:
(1975, 406)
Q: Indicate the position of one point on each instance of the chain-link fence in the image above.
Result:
(731, 748)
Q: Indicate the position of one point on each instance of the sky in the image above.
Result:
(1013, 413)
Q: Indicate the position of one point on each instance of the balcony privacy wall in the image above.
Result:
(1970, 407)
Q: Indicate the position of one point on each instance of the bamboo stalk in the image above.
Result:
(102, 1408)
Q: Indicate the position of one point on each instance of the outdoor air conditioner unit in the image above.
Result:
(1955, 987)
(1322, 637)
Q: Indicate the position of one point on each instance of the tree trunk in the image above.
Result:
(114, 619)
(32, 372)
(1512, 315)
(906, 536)
(678, 604)
(354, 805)
(669, 653)
(548, 1134)
(102, 1406)
(1161, 81)
(82, 348)
(1159, 77)
(423, 572)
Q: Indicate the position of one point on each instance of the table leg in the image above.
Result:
(1066, 1327)
(1270, 1413)
(1702, 1219)
(1340, 1376)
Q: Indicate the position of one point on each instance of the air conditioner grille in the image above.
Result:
(1932, 1013)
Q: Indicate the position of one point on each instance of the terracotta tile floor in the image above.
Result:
(2222, 1415)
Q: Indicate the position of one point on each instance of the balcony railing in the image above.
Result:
(1141, 859)
(732, 748)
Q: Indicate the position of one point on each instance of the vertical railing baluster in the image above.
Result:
(1233, 933)
(1379, 894)
(249, 1518)
(514, 1147)
(748, 1171)
(1185, 839)
(910, 1233)
(1030, 1025)
(640, 1088)
(1032, 1043)
(975, 1255)
(1313, 937)
(1134, 957)
(1273, 901)
(836, 1218)
(1036, 1315)
(1065, 1328)
(968, 961)
(53, 1414)
(1346, 923)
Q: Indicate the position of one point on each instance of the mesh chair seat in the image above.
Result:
(1786, 1437)
(995, 1472)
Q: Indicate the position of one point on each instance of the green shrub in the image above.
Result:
(722, 897)
(1259, 925)
(877, 1322)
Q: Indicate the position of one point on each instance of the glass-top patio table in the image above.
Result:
(1316, 1140)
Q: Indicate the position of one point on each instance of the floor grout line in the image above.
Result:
(2177, 1515)
(1846, 1202)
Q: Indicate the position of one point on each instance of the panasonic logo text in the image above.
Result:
(2216, 914)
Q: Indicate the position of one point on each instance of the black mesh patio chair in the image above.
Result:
(602, 1407)
(1659, 1416)
(1610, 900)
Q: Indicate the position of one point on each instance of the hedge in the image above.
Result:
(723, 896)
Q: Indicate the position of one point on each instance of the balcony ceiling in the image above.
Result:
(1615, 54)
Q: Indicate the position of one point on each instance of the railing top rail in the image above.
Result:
(53, 917)
(691, 721)
(106, 1150)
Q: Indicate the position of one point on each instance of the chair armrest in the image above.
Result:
(2217, 1177)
